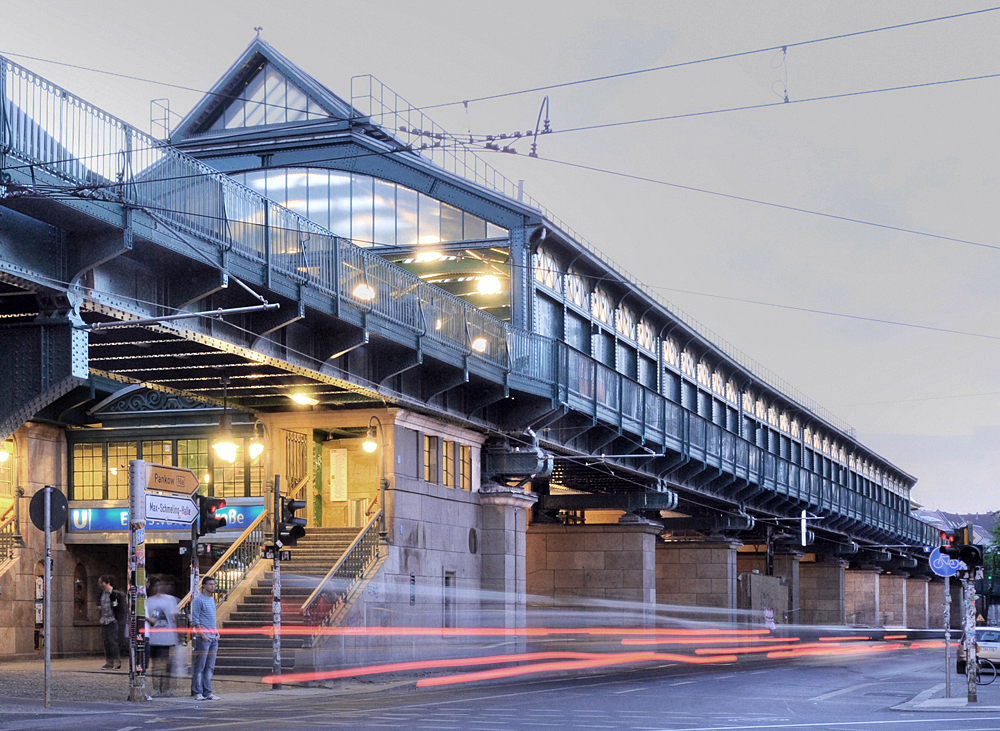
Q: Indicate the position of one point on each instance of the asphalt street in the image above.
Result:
(890, 691)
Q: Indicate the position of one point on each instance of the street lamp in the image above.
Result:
(370, 445)
(223, 444)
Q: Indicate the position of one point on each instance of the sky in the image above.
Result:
(895, 332)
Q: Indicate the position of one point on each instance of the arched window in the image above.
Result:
(796, 429)
(601, 305)
(761, 409)
(718, 382)
(646, 336)
(731, 392)
(703, 377)
(687, 363)
(547, 270)
(670, 352)
(576, 290)
(625, 322)
(783, 422)
(748, 401)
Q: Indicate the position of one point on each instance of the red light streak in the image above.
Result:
(894, 637)
(845, 639)
(594, 659)
(701, 640)
(580, 664)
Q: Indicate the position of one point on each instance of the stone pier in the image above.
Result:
(698, 574)
(821, 591)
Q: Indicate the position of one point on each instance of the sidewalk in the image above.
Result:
(933, 698)
(79, 682)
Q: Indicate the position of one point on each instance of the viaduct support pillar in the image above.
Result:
(503, 552)
(822, 591)
(787, 567)
(611, 562)
(861, 598)
(698, 574)
(892, 600)
(917, 602)
(935, 603)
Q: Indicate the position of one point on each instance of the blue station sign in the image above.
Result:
(238, 517)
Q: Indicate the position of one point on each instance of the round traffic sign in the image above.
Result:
(58, 510)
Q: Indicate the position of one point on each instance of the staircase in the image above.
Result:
(252, 653)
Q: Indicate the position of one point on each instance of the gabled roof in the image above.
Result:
(230, 86)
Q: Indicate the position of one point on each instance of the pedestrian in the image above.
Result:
(206, 641)
(113, 615)
(161, 631)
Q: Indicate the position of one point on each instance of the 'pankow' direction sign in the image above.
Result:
(177, 480)
(170, 508)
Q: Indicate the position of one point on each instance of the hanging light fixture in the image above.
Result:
(224, 445)
(256, 446)
(5, 451)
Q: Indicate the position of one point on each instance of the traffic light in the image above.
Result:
(291, 528)
(971, 556)
(208, 521)
(950, 546)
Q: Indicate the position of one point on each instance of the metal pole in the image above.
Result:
(276, 585)
(971, 659)
(47, 616)
(137, 579)
(947, 637)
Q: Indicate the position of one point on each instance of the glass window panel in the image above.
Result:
(233, 116)
(158, 452)
(274, 97)
(385, 213)
(119, 455)
(451, 223)
(296, 103)
(229, 479)
(88, 471)
(7, 469)
(319, 197)
(448, 471)
(340, 203)
(475, 227)
(362, 210)
(495, 232)
(466, 467)
(430, 459)
(298, 194)
(193, 455)
(429, 220)
(406, 216)
(254, 94)
(314, 110)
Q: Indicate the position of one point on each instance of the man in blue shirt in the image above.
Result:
(206, 641)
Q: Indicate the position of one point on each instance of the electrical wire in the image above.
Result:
(710, 59)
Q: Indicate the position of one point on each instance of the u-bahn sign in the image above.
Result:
(177, 480)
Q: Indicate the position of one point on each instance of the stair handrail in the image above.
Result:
(239, 543)
(8, 534)
(351, 566)
(255, 552)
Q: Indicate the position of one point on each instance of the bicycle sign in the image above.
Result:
(942, 565)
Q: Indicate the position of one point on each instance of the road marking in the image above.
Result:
(630, 690)
(831, 724)
(833, 693)
(683, 682)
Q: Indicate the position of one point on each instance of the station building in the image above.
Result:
(546, 432)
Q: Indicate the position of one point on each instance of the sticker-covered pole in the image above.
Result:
(137, 580)
(47, 617)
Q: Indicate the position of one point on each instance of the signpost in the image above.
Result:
(161, 494)
(48, 508)
(943, 565)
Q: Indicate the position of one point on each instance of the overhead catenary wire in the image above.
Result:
(710, 59)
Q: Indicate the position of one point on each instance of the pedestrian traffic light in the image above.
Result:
(208, 521)
(291, 528)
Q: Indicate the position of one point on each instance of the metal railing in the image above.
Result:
(234, 565)
(331, 593)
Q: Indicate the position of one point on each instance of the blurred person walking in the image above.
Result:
(161, 629)
(114, 611)
(206, 641)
